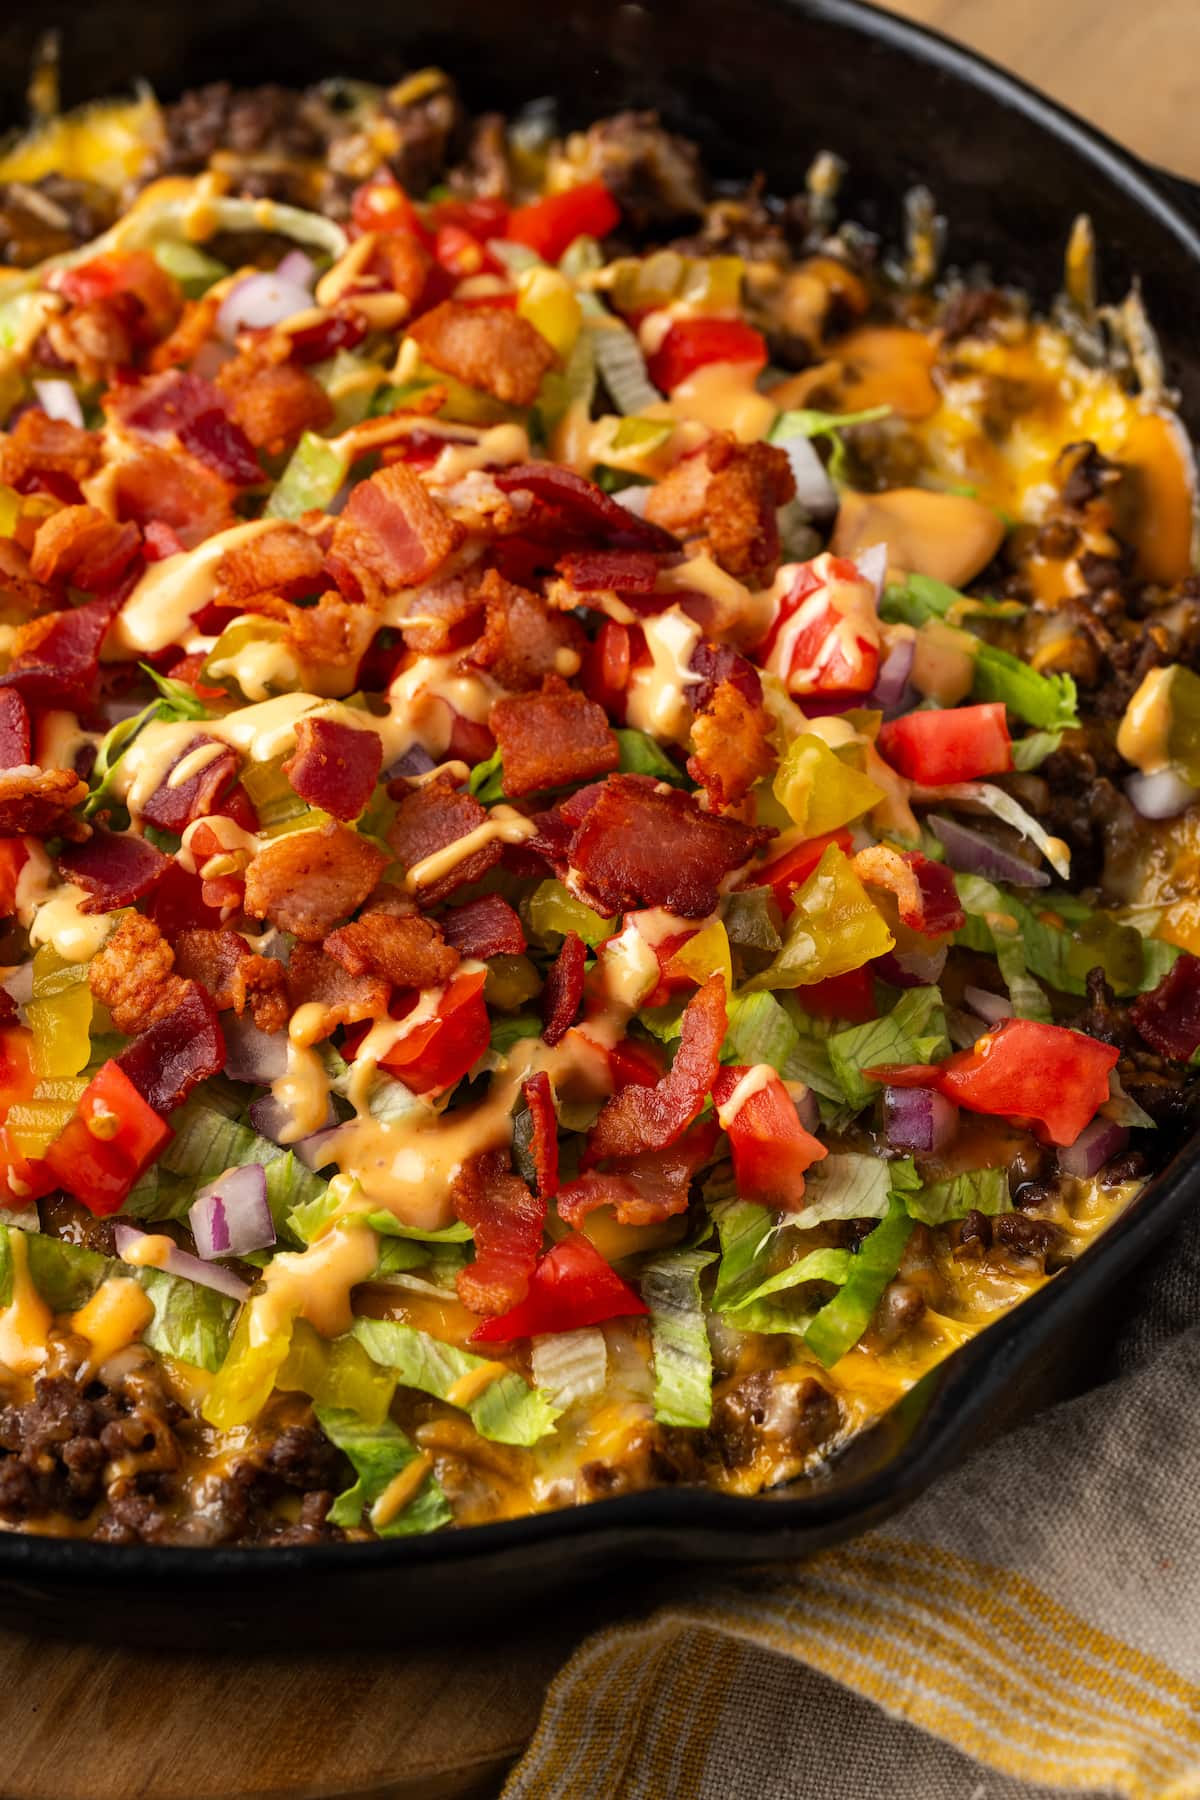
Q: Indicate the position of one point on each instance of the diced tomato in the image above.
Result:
(960, 743)
(833, 649)
(632, 1061)
(187, 670)
(437, 1054)
(552, 224)
(571, 1286)
(14, 854)
(123, 272)
(22, 1178)
(238, 806)
(112, 1140)
(460, 253)
(381, 204)
(606, 666)
(691, 344)
(793, 868)
(17, 1079)
(850, 997)
(771, 1149)
(340, 331)
(484, 218)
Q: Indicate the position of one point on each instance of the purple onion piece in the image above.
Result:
(415, 761)
(814, 490)
(892, 679)
(805, 1102)
(231, 1216)
(181, 1262)
(298, 268)
(872, 565)
(315, 1152)
(275, 1121)
(258, 301)
(912, 968)
(1096, 1144)
(918, 1119)
(974, 854)
(990, 1007)
(58, 400)
(1163, 795)
(252, 1054)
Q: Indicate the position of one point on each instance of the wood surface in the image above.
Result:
(443, 1724)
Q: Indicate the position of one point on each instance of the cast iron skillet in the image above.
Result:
(762, 84)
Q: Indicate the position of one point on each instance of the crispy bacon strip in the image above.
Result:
(56, 658)
(552, 739)
(564, 989)
(306, 881)
(431, 818)
(174, 808)
(508, 1223)
(409, 951)
(733, 746)
(315, 978)
(38, 803)
(284, 561)
(638, 847)
(334, 766)
(39, 445)
(1168, 1016)
(926, 896)
(728, 494)
(582, 507)
(134, 975)
(15, 734)
(82, 545)
(543, 1127)
(653, 1188)
(524, 640)
(168, 487)
(393, 534)
(484, 927)
(448, 614)
(651, 1118)
(223, 962)
(114, 868)
(622, 571)
(486, 347)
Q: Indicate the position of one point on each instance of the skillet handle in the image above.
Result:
(1184, 193)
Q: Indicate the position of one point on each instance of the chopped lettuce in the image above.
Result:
(570, 1365)
(847, 1186)
(842, 1320)
(938, 1202)
(1048, 702)
(640, 755)
(815, 1265)
(913, 1032)
(762, 1029)
(811, 422)
(1031, 752)
(1010, 812)
(1062, 939)
(923, 597)
(507, 1410)
(486, 780)
(379, 1453)
(670, 1286)
(206, 1143)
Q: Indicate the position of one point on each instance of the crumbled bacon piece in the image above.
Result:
(224, 963)
(484, 927)
(37, 803)
(1168, 1017)
(334, 766)
(926, 897)
(564, 989)
(552, 739)
(114, 868)
(733, 746)
(16, 581)
(273, 401)
(431, 818)
(392, 534)
(83, 546)
(622, 571)
(508, 1223)
(447, 615)
(329, 639)
(221, 445)
(159, 405)
(409, 951)
(195, 327)
(177, 1053)
(543, 1140)
(307, 881)
(177, 902)
(486, 347)
(175, 806)
(677, 501)
(172, 488)
(134, 975)
(15, 734)
(730, 493)
(637, 846)
(580, 506)
(283, 560)
(524, 640)
(644, 1192)
(260, 983)
(38, 445)
(55, 659)
(317, 979)
(651, 1118)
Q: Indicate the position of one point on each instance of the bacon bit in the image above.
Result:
(334, 766)
(221, 445)
(926, 896)
(114, 868)
(622, 571)
(177, 903)
(450, 615)
(583, 507)
(486, 347)
(330, 639)
(677, 501)
(409, 951)
(484, 927)
(132, 273)
(224, 963)
(15, 735)
(16, 582)
(393, 534)
(645, 1118)
(733, 746)
(260, 983)
(98, 338)
(284, 561)
(82, 545)
(508, 1223)
(539, 1099)
(1168, 1017)
(523, 640)
(159, 406)
(632, 1060)
(175, 808)
(37, 803)
(313, 978)
(638, 847)
(196, 325)
(306, 881)
(551, 739)
(177, 1053)
(39, 445)
(174, 489)
(133, 975)
(716, 664)
(654, 1188)
(159, 541)
(272, 401)
(730, 493)
(340, 331)
(431, 817)
(564, 989)
(398, 264)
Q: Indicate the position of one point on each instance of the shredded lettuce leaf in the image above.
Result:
(938, 1202)
(847, 1186)
(640, 755)
(379, 1453)
(1058, 954)
(923, 597)
(1010, 812)
(842, 1320)
(570, 1365)
(913, 1032)
(1048, 702)
(507, 1410)
(670, 1286)
(764, 1029)
(206, 1143)
(1031, 752)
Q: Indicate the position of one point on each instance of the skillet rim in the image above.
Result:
(694, 1523)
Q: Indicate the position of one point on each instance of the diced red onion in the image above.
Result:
(230, 1216)
(912, 968)
(297, 268)
(814, 490)
(1096, 1144)
(633, 498)
(252, 1054)
(872, 565)
(892, 679)
(58, 400)
(20, 984)
(275, 1121)
(315, 1151)
(972, 853)
(415, 761)
(918, 1119)
(259, 301)
(964, 1028)
(1163, 795)
(181, 1262)
(990, 1007)
(805, 1103)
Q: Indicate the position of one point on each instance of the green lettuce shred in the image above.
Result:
(670, 1286)
(378, 1453)
(979, 1190)
(913, 1032)
(842, 1320)
(1061, 955)
(507, 1411)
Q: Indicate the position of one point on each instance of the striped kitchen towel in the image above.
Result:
(1031, 1626)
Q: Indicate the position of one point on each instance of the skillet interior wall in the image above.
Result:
(761, 85)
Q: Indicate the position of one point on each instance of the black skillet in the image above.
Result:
(762, 85)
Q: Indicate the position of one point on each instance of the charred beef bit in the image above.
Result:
(486, 347)
(900, 1307)
(39, 802)
(432, 817)
(552, 739)
(66, 1218)
(424, 108)
(407, 951)
(969, 311)
(1077, 800)
(523, 640)
(286, 1455)
(308, 881)
(50, 215)
(313, 978)
(971, 1237)
(270, 126)
(1025, 1238)
(655, 177)
(484, 172)
(1105, 1017)
(1084, 475)
(763, 1416)
(134, 975)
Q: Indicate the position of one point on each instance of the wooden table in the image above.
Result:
(84, 1724)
